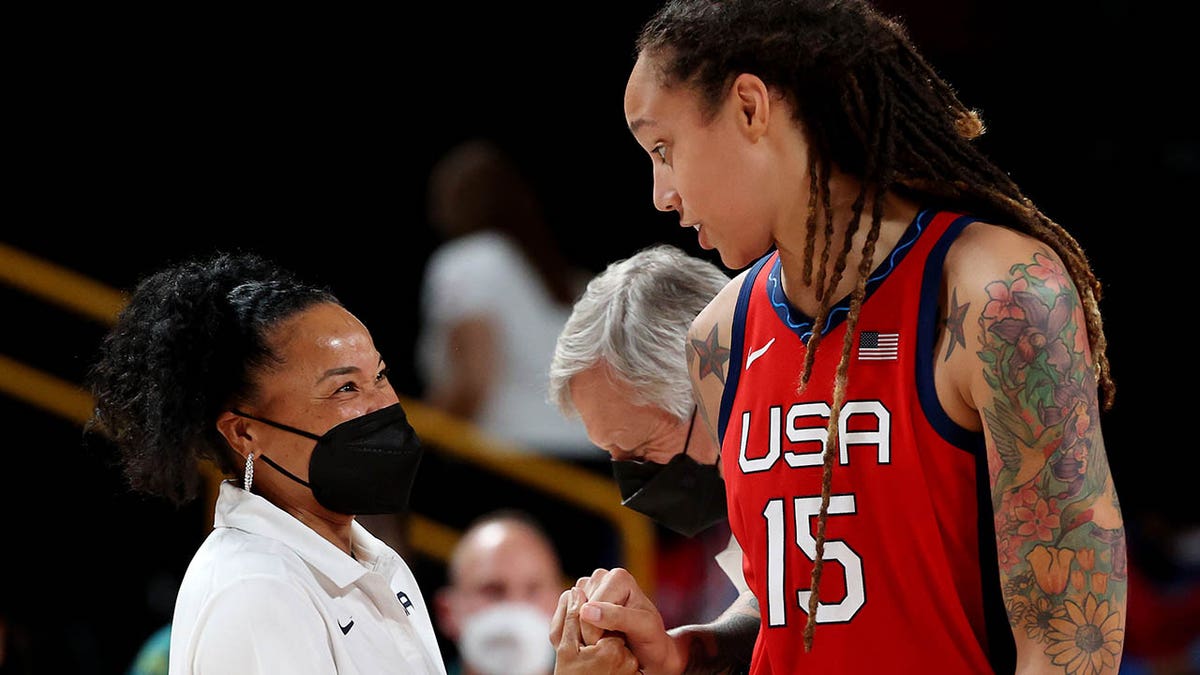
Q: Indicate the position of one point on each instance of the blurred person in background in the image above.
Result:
(504, 579)
(153, 656)
(494, 296)
(1163, 632)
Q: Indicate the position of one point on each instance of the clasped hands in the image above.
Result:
(606, 624)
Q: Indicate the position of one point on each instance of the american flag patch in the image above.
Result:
(876, 346)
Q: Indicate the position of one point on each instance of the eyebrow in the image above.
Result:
(344, 370)
(334, 372)
(640, 122)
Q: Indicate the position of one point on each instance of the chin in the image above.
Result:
(742, 258)
(735, 261)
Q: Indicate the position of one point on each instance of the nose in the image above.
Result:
(383, 397)
(666, 198)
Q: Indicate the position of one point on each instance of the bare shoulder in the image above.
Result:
(1007, 299)
(708, 350)
(997, 280)
(985, 252)
(1014, 334)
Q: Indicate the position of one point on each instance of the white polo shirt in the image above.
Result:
(266, 594)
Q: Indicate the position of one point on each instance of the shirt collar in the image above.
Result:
(241, 510)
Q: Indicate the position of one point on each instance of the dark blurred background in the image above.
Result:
(137, 137)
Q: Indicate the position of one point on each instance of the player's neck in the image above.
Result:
(805, 294)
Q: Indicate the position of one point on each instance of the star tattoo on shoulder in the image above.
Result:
(954, 323)
(712, 356)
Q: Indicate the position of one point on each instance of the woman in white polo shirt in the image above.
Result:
(234, 361)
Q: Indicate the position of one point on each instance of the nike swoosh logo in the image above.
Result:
(347, 627)
(753, 356)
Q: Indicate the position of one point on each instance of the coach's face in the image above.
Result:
(626, 430)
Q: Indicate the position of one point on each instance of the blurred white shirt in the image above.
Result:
(484, 275)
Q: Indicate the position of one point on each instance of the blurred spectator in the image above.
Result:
(495, 295)
(152, 657)
(14, 644)
(1162, 634)
(503, 584)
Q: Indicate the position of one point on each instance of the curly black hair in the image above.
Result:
(185, 347)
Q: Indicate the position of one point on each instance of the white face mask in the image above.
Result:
(507, 638)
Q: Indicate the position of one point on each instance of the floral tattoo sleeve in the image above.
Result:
(1059, 531)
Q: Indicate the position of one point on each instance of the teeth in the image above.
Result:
(696, 228)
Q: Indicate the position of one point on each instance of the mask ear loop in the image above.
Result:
(691, 425)
(275, 424)
(249, 477)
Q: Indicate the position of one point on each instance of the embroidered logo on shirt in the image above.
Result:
(347, 627)
(403, 598)
(757, 353)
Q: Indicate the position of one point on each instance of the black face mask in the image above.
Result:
(362, 466)
(683, 494)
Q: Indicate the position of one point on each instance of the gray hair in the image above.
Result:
(635, 316)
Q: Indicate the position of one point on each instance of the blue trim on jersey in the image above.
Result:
(801, 324)
(1001, 646)
(737, 345)
(927, 322)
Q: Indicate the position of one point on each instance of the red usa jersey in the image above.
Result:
(910, 582)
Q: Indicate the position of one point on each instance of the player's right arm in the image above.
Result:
(725, 645)
(708, 353)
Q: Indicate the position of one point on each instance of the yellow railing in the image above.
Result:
(59, 285)
(453, 436)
